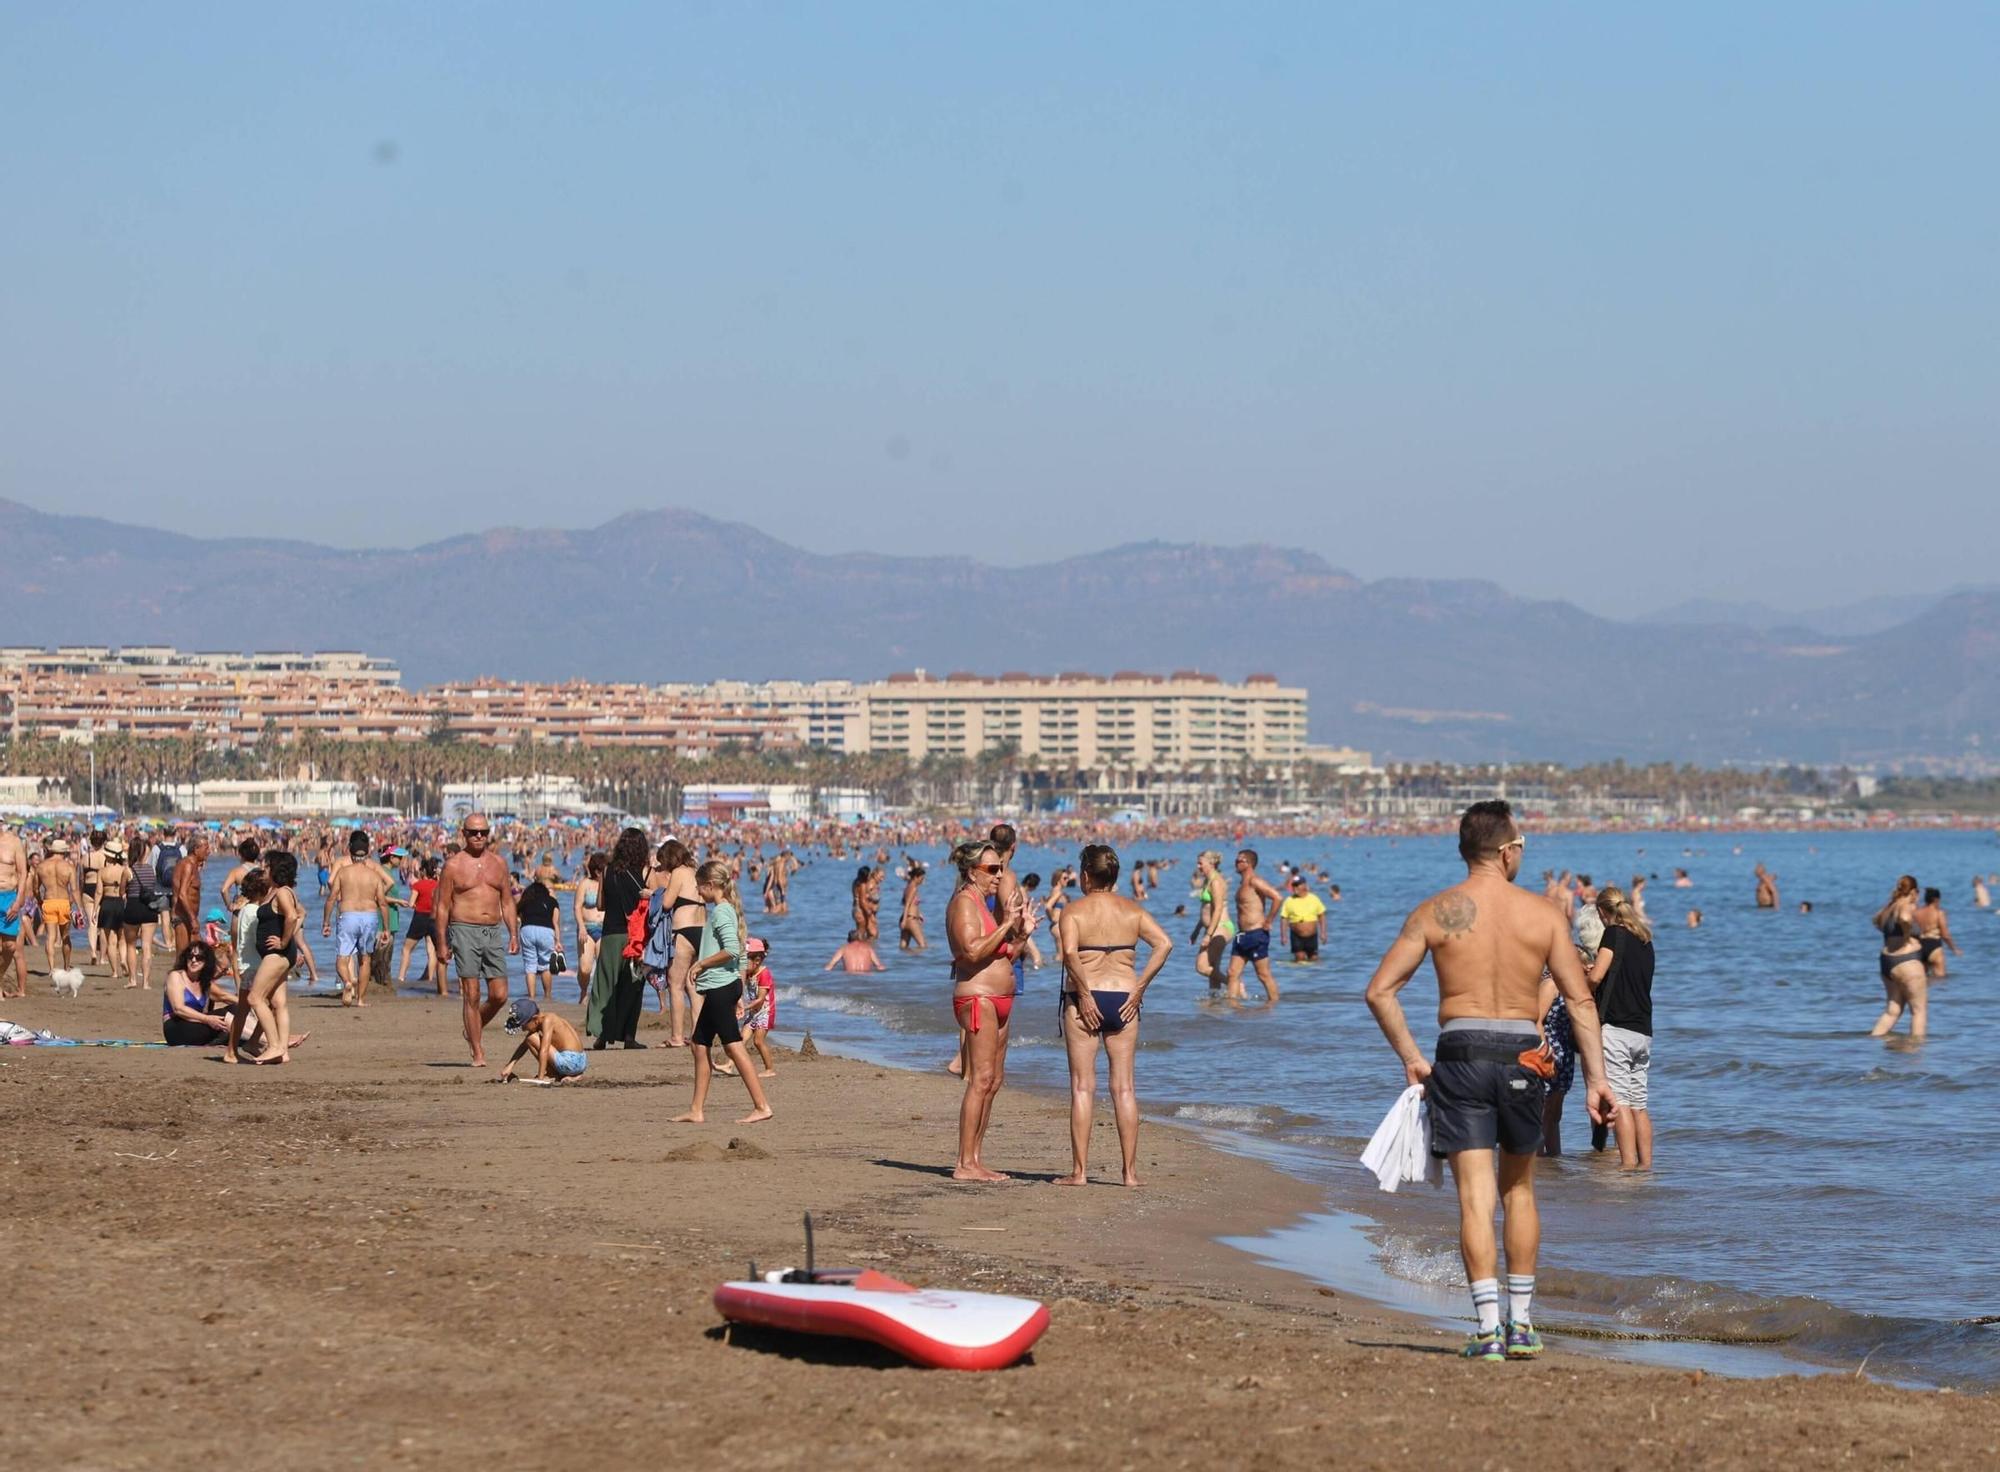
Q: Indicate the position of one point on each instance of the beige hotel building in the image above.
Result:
(1181, 721)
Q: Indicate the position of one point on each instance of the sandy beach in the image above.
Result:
(376, 1256)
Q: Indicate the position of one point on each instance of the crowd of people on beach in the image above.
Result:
(1532, 986)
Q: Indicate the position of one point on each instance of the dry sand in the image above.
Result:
(375, 1257)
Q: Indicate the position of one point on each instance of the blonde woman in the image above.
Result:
(1622, 978)
(1216, 930)
(1904, 979)
(718, 982)
(983, 947)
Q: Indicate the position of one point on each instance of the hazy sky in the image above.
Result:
(1617, 306)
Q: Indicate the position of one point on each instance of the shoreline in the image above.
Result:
(369, 1253)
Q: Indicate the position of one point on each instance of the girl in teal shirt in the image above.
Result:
(718, 986)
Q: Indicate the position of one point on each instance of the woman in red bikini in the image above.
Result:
(982, 993)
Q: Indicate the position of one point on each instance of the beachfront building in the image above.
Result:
(1185, 721)
(161, 661)
(23, 792)
(777, 803)
(510, 714)
(532, 799)
(267, 798)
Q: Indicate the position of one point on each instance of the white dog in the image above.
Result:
(67, 981)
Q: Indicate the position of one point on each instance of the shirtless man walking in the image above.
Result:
(13, 895)
(359, 887)
(477, 925)
(56, 892)
(187, 892)
(1256, 901)
(1489, 942)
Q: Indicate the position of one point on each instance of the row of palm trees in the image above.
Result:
(137, 774)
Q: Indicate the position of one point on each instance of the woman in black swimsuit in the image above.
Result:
(1904, 979)
(1098, 939)
(277, 941)
(681, 899)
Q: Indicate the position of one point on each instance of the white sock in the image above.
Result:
(1486, 1303)
(1520, 1297)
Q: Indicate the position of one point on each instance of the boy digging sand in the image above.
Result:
(557, 1048)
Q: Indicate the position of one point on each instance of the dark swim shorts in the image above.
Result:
(1481, 1096)
(1306, 946)
(1252, 945)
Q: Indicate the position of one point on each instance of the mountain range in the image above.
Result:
(1411, 669)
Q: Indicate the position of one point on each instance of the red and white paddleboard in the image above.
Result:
(937, 1327)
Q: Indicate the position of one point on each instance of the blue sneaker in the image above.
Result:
(1485, 1344)
(1523, 1343)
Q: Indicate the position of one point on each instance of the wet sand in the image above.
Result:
(377, 1257)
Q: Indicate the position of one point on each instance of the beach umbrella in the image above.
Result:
(272, 823)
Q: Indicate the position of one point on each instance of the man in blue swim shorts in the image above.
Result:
(557, 1048)
(13, 896)
(358, 887)
(1489, 941)
(1256, 902)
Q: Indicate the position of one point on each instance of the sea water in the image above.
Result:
(1815, 1190)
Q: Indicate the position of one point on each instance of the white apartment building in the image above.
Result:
(1182, 721)
(159, 661)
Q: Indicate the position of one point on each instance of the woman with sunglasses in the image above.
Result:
(188, 1016)
(982, 992)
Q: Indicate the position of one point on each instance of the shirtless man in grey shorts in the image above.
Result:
(1489, 942)
(477, 926)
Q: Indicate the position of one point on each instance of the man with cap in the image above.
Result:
(1301, 916)
(56, 892)
(557, 1048)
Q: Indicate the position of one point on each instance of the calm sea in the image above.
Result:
(1817, 1193)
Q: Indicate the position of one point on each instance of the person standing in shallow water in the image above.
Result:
(983, 948)
(1097, 945)
(1621, 974)
(1489, 943)
(1905, 980)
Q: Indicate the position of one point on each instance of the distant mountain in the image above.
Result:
(1840, 621)
(1410, 669)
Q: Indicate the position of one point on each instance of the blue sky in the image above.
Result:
(1610, 305)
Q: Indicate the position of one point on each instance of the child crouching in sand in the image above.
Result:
(557, 1048)
(718, 986)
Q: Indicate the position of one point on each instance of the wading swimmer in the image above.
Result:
(1905, 982)
(1934, 933)
(1216, 929)
(1489, 942)
(1256, 902)
(1097, 941)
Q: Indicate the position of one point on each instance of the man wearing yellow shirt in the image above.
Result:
(1303, 916)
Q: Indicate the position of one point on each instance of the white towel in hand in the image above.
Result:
(1401, 1148)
